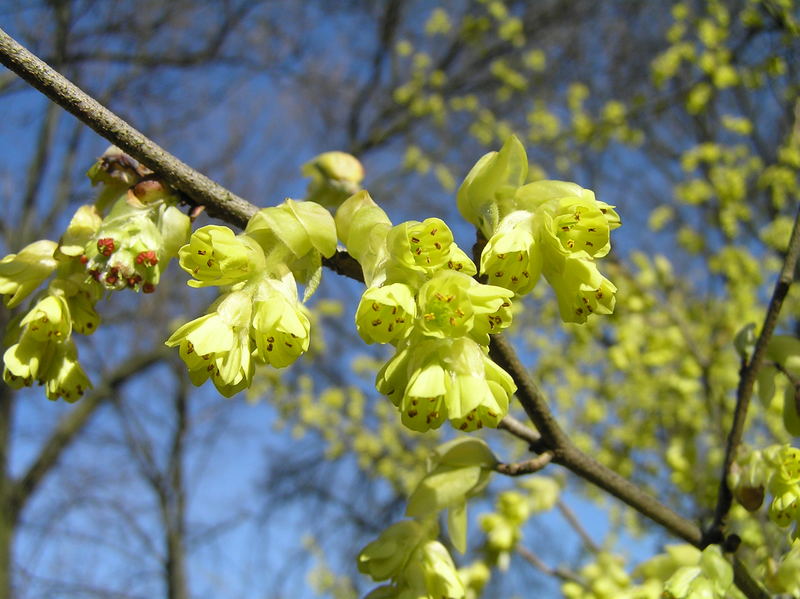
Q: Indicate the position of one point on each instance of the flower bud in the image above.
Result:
(335, 176)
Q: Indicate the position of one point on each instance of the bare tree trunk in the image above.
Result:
(7, 526)
(173, 502)
(8, 503)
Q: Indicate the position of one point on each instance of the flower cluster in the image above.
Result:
(777, 469)
(712, 577)
(126, 248)
(503, 527)
(131, 246)
(258, 318)
(44, 351)
(416, 564)
(422, 299)
(553, 228)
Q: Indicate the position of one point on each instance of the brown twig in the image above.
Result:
(569, 456)
(526, 467)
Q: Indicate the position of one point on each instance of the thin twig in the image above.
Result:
(747, 379)
(526, 467)
(576, 525)
(559, 572)
(519, 430)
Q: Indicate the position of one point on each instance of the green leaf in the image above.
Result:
(300, 226)
(442, 489)
(465, 451)
(791, 410)
(494, 178)
(457, 526)
(313, 283)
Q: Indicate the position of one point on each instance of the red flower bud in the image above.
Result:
(148, 258)
(106, 246)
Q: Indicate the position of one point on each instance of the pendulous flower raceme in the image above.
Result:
(553, 228)
(775, 469)
(422, 299)
(123, 240)
(258, 318)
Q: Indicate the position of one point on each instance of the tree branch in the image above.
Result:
(219, 201)
(526, 467)
(569, 456)
(747, 379)
(559, 572)
(519, 430)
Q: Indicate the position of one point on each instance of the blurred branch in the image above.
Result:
(219, 201)
(73, 423)
(388, 28)
(558, 572)
(36, 169)
(573, 521)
